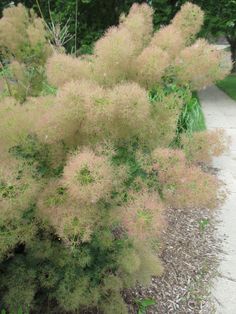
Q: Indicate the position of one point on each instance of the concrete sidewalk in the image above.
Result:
(220, 112)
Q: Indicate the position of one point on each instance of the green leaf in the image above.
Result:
(20, 311)
(148, 302)
(143, 304)
(230, 24)
(86, 1)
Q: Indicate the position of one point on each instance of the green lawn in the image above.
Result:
(228, 85)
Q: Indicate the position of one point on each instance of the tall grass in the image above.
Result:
(192, 118)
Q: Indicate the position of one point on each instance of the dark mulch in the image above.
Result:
(189, 255)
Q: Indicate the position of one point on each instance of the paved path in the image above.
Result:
(222, 47)
(220, 112)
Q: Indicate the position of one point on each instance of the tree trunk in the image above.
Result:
(232, 43)
(233, 56)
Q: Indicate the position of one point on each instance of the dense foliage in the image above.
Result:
(86, 174)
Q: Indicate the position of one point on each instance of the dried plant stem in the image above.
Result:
(41, 13)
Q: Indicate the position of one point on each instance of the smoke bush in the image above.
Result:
(211, 65)
(129, 107)
(162, 125)
(74, 105)
(23, 41)
(189, 21)
(143, 216)
(73, 222)
(131, 52)
(88, 177)
(140, 25)
(86, 173)
(202, 146)
(63, 68)
(151, 65)
(15, 196)
(20, 28)
(169, 39)
(114, 53)
(184, 185)
(18, 121)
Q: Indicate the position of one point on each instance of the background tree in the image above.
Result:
(221, 20)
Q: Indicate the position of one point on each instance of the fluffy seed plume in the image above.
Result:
(139, 23)
(203, 146)
(189, 21)
(143, 216)
(151, 66)
(169, 39)
(73, 222)
(201, 65)
(88, 177)
(114, 53)
(129, 108)
(67, 117)
(62, 68)
(185, 186)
